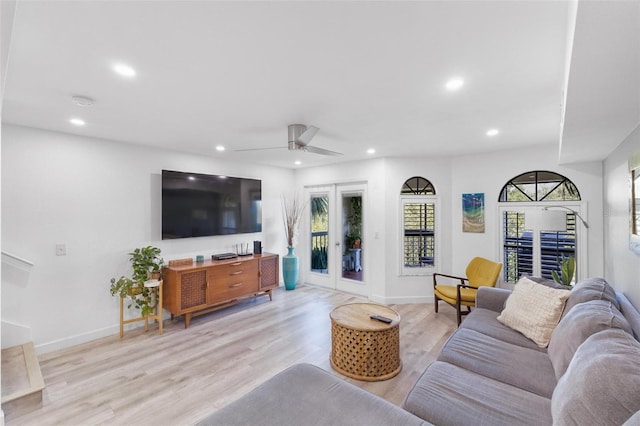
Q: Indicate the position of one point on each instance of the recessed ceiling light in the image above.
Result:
(191, 178)
(297, 162)
(492, 132)
(220, 148)
(371, 151)
(77, 122)
(454, 83)
(124, 70)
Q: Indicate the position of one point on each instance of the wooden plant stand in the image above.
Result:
(156, 285)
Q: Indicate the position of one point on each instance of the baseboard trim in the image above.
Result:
(77, 339)
(401, 300)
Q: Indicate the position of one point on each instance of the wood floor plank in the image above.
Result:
(185, 374)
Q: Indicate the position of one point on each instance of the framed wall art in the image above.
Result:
(473, 213)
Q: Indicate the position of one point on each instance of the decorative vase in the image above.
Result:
(290, 269)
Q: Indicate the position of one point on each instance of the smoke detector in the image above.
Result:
(82, 101)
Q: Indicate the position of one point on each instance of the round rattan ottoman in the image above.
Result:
(363, 348)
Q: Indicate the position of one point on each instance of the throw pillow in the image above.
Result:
(601, 384)
(547, 282)
(534, 310)
(575, 327)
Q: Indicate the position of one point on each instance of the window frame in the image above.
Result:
(582, 246)
(425, 270)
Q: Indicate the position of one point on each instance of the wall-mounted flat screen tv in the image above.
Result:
(197, 205)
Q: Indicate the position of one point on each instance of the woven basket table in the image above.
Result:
(363, 348)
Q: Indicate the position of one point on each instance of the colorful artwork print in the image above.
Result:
(473, 213)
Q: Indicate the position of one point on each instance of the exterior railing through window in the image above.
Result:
(319, 245)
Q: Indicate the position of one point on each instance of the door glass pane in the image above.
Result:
(352, 237)
(319, 233)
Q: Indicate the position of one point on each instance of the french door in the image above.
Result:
(336, 237)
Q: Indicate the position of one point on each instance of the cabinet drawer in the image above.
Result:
(234, 289)
(235, 280)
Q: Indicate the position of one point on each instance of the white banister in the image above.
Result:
(18, 258)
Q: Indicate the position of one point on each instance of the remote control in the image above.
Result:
(381, 318)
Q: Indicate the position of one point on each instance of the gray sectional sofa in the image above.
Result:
(485, 374)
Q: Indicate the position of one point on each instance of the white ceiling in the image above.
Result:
(368, 74)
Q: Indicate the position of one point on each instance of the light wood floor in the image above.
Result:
(184, 375)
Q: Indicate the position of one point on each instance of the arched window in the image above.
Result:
(537, 252)
(417, 186)
(539, 186)
(419, 206)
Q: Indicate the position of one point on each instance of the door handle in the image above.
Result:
(337, 243)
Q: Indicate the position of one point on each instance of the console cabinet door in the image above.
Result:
(193, 290)
(269, 272)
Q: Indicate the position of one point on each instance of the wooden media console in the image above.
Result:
(202, 287)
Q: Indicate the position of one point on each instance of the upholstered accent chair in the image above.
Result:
(479, 272)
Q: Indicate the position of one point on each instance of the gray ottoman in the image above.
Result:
(307, 395)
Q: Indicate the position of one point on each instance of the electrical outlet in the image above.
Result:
(61, 249)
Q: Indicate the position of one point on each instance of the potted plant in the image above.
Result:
(146, 263)
(567, 270)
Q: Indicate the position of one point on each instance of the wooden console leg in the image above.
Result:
(187, 320)
(270, 297)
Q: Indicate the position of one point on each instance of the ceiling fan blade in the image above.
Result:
(260, 149)
(307, 135)
(322, 151)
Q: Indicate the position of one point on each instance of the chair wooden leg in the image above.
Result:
(435, 303)
(459, 315)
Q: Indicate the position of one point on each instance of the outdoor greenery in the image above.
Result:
(353, 235)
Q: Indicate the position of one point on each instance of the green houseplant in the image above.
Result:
(567, 270)
(146, 263)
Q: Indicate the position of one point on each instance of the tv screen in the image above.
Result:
(197, 205)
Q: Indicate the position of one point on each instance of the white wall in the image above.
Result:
(622, 265)
(101, 199)
(487, 173)
(452, 177)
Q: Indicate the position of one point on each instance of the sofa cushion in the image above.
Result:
(601, 384)
(501, 361)
(447, 394)
(485, 321)
(591, 289)
(574, 328)
(534, 310)
(305, 394)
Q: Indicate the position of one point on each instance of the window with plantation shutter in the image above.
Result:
(419, 207)
(531, 191)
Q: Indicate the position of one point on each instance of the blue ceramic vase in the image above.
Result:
(290, 269)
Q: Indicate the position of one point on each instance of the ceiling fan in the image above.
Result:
(299, 138)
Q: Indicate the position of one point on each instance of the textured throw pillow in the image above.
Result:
(601, 384)
(547, 282)
(575, 327)
(534, 310)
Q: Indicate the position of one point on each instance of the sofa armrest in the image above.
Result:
(491, 298)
